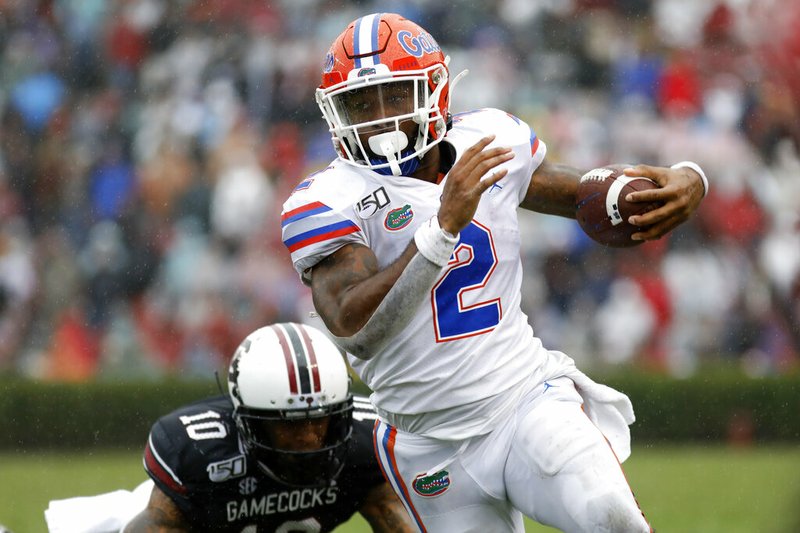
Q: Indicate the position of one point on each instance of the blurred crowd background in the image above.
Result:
(146, 147)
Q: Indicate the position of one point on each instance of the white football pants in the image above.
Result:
(548, 462)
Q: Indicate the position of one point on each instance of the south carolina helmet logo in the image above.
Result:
(399, 218)
(433, 485)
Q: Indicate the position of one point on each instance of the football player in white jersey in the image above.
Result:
(411, 245)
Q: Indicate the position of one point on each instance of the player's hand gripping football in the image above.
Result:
(680, 192)
(464, 185)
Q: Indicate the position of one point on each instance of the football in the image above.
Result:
(601, 209)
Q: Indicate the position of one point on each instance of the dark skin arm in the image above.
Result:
(384, 512)
(160, 516)
(552, 191)
(347, 286)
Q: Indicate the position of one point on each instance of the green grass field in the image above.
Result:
(681, 489)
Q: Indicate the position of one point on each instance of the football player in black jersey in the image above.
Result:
(290, 449)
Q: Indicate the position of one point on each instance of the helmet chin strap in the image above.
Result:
(388, 145)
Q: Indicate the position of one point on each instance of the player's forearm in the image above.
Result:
(391, 520)
(161, 515)
(552, 190)
(396, 309)
(348, 286)
(385, 513)
(419, 267)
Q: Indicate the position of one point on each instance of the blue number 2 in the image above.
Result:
(469, 269)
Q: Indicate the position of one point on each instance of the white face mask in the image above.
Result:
(365, 117)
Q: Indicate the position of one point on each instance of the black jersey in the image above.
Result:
(196, 456)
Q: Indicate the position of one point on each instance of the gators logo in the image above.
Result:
(399, 218)
(433, 485)
(329, 60)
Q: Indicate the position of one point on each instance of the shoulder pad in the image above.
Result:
(508, 129)
(319, 217)
(181, 442)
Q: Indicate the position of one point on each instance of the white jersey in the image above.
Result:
(442, 375)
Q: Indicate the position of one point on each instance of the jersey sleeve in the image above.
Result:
(161, 462)
(535, 149)
(177, 455)
(318, 219)
(529, 150)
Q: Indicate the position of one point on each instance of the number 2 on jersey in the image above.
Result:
(473, 263)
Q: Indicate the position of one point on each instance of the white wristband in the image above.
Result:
(696, 168)
(434, 243)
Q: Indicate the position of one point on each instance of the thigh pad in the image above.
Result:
(553, 434)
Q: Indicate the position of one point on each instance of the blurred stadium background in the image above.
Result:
(146, 147)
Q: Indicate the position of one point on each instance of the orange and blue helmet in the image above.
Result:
(384, 72)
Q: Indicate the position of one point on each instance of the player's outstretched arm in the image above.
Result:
(552, 190)
(553, 186)
(384, 511)
(160, 516)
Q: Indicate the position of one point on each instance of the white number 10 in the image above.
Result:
(200, 430)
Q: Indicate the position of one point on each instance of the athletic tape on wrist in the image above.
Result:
(696, 168)
(434, 243)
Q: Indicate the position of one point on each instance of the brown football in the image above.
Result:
(601, 209)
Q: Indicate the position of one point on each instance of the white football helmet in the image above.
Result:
(291, 372)
(386, 76)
